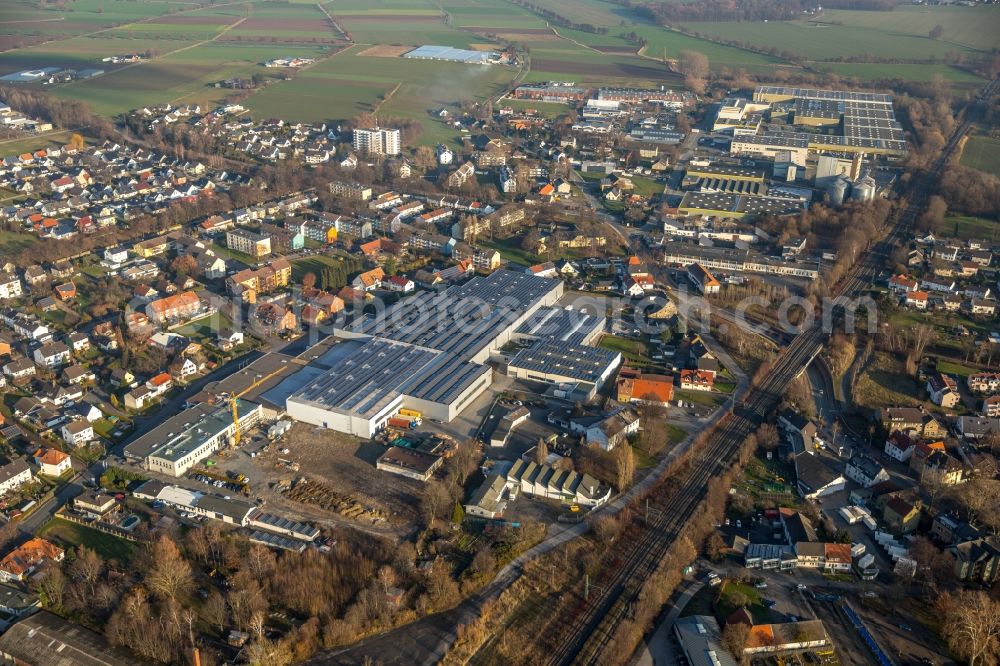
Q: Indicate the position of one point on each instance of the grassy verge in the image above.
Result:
(885, 382)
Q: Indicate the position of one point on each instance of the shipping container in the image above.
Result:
(410, 412)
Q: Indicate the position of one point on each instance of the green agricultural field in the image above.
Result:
(824, 41)
(982, 152)
(905, 71)
(347, 84)
(970, 27)
(83, 52)
(184, 76)
(81, 16)
(492, 14)
(966, 226)
(667, 43)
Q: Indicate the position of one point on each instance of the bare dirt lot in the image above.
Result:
(385, 51)
(338, 469)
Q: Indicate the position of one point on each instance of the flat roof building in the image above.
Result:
(182, 441)
(557, 362)
(409, 462)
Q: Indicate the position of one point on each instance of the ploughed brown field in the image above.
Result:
(195, 20)
(385, 51)
(286, 25)
(570, 67)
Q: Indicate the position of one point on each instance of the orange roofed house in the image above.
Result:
(19, 563)
(697, 380)
(804, 635)
(634, 386)
(178, 307)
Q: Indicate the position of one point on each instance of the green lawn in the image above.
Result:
(675, 434)
(950, 368)
(733, 592)
(966, 226)
(15, 241)
(510, 250)
(982, 152)
(314, 264)
(646, 187)
(706, 398)
(70, 534)
(824, 41)
(205, 328)
(634, 351)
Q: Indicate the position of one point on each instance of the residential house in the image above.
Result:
(899, 446)
(78, 341)
(917, 299)
(369, 280)
(10, 287)
(227, 339)
(52, 462)
(22, 561)
(19, 370)
(77, 374)
(984, 382)
(613, 429)
(634, 386)
(865, 471)
(489, 500)
(274, 318)
(52, 355)
(977, 427)
(400, 283)
(176, 308)
(65, 292)
(248, 242)
(901, 516)
(77, 432)
(903, 419)
(977, 560)
(97, 506)
(697, 380)
(902, 284)
(14, 474)
(991, 406)
(702, 279)
(943, 390)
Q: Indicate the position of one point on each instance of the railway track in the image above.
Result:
(592, 625)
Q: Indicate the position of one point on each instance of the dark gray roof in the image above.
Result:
(45, 639)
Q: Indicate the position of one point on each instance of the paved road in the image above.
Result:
(660, 649)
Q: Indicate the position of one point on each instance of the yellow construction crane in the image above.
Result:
(234, 399)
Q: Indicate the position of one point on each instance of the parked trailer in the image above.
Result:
(397, 422)
(857, 550)
(866, 561)
(410, 412)
(869, 523)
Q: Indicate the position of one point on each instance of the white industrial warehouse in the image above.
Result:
(427, 354)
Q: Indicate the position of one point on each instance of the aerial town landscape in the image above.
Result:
(499, 332)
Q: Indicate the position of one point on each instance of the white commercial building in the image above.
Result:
(179, 443)
(425, 354)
